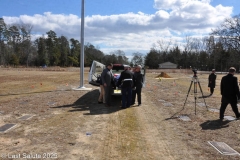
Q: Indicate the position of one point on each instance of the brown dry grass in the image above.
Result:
(20, 82)
(151, 131)
(204, 126)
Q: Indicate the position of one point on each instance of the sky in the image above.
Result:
(128, 25)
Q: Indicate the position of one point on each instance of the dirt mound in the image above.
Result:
(164, 75)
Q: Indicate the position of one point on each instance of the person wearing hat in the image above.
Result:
(212, 81)
(138, 83)
(126, 81)
(230, 93)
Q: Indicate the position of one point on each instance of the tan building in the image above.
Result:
(167, 65)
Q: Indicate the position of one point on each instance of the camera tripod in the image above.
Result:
(196, 82)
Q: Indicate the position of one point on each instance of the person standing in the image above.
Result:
(107, 79)
(126, 81)
(134, 88)
(230, 93)
(212, 81)
(138, 83)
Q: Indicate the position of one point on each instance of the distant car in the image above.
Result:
(97, 68)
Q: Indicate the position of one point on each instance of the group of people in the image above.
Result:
(229, 89)
(130, 82)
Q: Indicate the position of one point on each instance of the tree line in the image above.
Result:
(219, 50)
(17, 48)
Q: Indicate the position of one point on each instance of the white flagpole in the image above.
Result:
(81, 87)
(82, 48)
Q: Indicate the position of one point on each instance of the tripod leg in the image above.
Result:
(195, 96)
(188, 93)
(202, 94)
(195, 105)
(184, 102)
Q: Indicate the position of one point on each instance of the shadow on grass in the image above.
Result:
(89, 102)
(174, 115)
(206, 96)
(214, 124)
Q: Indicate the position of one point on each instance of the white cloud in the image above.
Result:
(170, 4)
(162, 14)
(176, 4)
(133, 32)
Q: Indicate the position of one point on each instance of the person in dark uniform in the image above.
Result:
(230, 93)
(212, 81)
(107, 79)
(126, 81)
(138, 83)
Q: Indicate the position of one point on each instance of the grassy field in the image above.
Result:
(73, 125)
(18, 82)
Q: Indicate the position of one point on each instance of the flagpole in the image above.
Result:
(82, 48)
(81, 87)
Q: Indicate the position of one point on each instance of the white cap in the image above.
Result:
(139, 66)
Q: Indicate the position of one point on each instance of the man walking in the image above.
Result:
(107, 79)
(126, 80)
(212, 81)
(230, 93)
(138, 83)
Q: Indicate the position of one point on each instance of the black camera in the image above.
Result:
(194, 71)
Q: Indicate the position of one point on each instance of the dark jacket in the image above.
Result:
(126, 79)
(229, 88)
(212, 80)
(138, 79)
(107, 77)
(100, 80)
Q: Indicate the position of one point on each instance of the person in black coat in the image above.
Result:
(138, 83)
(212, 81)
(230, 93)
(126, 82)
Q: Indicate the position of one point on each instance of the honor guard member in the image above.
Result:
(212, 81)
(230, 93)
(139, 84)
(126, 81)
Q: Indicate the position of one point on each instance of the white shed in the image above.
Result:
(167, 65)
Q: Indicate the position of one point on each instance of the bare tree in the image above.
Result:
(25, 33)
(189, 44)
(198, 44)
(229, 33)
(164, 44)
(137, 59)
(121, 58)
